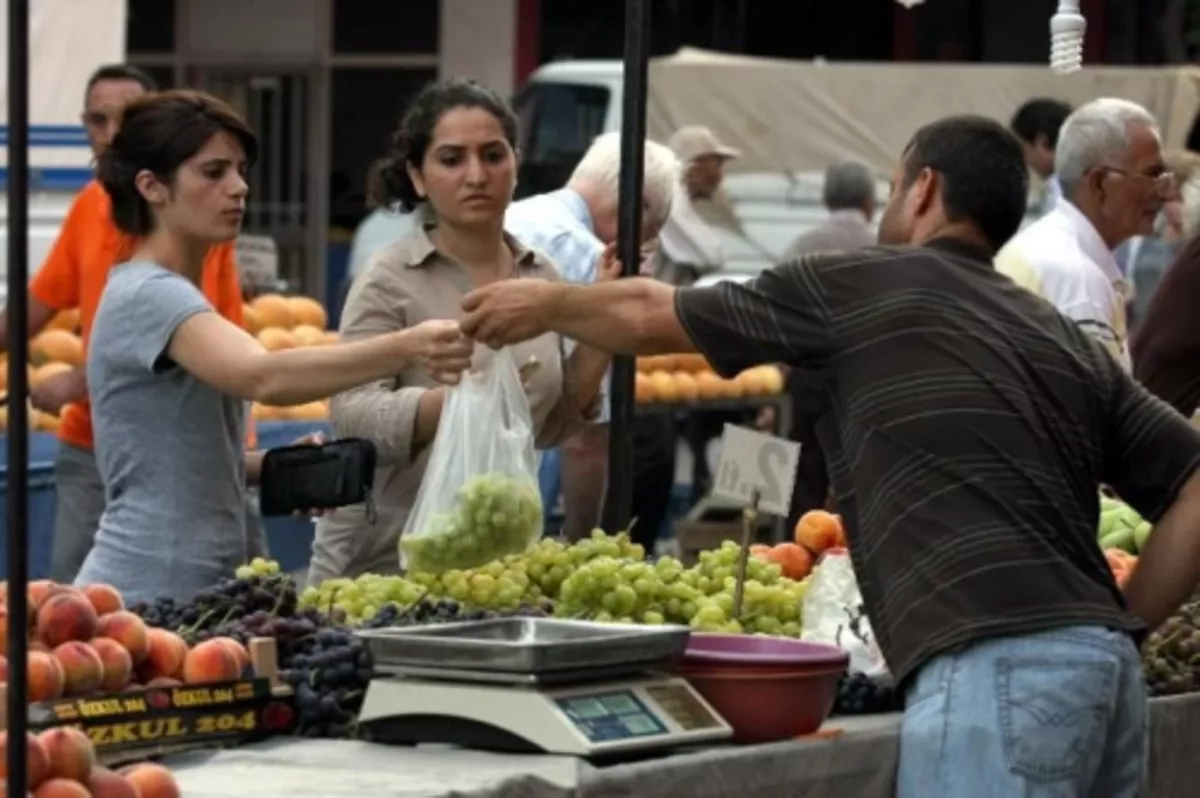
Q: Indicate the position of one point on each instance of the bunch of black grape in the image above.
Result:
(228, 600)
(436, 611)
(330, 671)
(1171, 654)
(859, 694)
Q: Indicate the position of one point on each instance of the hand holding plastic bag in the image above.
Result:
(479, 499)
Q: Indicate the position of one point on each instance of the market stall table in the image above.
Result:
(860, 762)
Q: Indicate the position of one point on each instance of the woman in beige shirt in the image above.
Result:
(454, 162)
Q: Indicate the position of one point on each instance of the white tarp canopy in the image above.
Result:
(802, 116)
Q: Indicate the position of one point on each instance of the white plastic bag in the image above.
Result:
(479, 498)
(833, 614)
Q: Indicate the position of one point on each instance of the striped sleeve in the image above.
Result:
(1150, 449)
(781, 316)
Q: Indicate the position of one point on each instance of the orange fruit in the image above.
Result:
(793, 558)
(818, 530)
(273, 310)
(306, 310)
(275, 338)
(57, 346)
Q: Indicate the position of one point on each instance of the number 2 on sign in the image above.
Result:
(751, 461)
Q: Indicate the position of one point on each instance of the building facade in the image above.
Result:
(324, 83)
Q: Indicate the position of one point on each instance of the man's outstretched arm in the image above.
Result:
(780, 316)
(630, 316)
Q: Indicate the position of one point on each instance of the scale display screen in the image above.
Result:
(607, 717)
(683, 707)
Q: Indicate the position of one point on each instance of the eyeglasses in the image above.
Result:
(1162, 183)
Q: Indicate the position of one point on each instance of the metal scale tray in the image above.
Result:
(532, 646)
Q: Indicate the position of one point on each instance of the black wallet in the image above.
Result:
(325, 477)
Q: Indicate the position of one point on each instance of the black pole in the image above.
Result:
(619, 505)
(18, 390)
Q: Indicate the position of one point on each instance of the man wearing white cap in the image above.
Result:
(688, 246)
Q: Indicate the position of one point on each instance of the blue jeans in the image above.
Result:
(1055, 714)
(550, 482)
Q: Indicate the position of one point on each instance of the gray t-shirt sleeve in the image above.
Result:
(160, 304)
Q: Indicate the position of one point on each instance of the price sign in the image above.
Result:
(752, 461)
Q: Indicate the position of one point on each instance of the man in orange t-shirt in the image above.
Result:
(73, 276)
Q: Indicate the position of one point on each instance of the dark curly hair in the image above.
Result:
(411, 140)
(159, 132)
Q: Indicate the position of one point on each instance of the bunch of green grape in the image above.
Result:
(259, 566)
(361, 599)
(493, 515)
(608, 589)
(515, 580)
(771, 603)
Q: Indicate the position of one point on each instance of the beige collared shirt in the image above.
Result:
(404, 284)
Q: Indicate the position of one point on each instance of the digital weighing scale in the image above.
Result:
(535, 685)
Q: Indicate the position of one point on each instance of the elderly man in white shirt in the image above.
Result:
(1114, 182)
(688, 247)
(573, 226)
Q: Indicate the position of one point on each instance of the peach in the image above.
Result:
(65, 617)
(3, 669)
(118, 665)
(239, 651)
(57, 590)
(129, 630)
(105, 783)
(163, 681)
(61, 788)
(38, 591)
(37, 768)
(167, 653)
(82, 666)
(46, 678)
(818, 530)
(104, 598)
(153, 781)
(211, 661)
(38, 645)
(70, 753)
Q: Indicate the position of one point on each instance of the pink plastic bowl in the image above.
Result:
(767, 689)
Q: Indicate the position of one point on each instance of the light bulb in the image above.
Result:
(910, 3)
(1067, 27)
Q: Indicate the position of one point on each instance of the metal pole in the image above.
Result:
(18, 390)
(629, 245)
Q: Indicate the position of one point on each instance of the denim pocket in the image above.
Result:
(1053, 715)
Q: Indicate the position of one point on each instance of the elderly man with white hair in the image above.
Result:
(1114, 182)
(573, 226)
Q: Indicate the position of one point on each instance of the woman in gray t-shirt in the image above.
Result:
(168, 377)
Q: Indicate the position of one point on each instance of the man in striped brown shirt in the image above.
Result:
(971, 426)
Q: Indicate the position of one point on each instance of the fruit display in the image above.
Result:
(287, 322)
(1122, 565)
(62, 764)
(689, 378)
(492, 515)
(84, 642)
(1121, 527)
(317, 654)
(859, 694)
(57, 350)
(1171, 653)
(603, 578)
